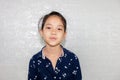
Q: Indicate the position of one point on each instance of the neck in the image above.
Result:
(53, 50)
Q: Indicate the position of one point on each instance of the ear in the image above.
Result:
(41, 33)
(65, 33)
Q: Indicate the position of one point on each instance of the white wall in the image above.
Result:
(93, 34)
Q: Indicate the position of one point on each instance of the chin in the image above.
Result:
(54, 45)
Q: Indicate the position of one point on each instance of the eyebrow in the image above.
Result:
(48, 24)
(51, 25)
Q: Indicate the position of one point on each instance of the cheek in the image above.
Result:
(46, 34)
(62, 36)
(42, 33)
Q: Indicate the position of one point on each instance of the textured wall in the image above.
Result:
(93, 34)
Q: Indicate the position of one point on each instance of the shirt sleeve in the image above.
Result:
(32, 72)
(76, 69)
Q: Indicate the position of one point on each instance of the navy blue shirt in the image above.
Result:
(67, 67)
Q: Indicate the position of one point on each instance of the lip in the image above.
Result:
(53, 38)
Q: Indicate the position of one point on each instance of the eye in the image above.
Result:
(60, 29)
(48, 27)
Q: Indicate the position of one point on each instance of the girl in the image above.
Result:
(54, 62)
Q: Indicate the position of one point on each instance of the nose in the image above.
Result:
(53, 31)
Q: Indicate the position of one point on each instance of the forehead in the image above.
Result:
(54, 19)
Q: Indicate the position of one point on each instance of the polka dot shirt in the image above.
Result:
(67, 67)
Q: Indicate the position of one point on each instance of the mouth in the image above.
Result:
(53, 38)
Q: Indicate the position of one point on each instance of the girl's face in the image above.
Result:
(53, 32)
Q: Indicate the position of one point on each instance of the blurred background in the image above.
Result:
(93, 34)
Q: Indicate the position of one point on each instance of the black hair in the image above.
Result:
(53, 13)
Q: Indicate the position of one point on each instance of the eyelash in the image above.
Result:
(48, 27)
(60, 29)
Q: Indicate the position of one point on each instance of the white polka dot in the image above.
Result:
(57, 69)
(77, 67)
(31, 66)
(49, 63)
(56, 72)
(76, 57)
(39, 61)
(45, 77)
(33, 61)
(35, 77)
(34, 66)
(69, 64)
(71, 59)
(65, 67)
(47, 66)
(59, 60)
(59, 77)
(64, 74)
(65, 55)
(74, 72)
(54, 77)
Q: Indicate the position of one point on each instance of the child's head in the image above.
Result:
(53, 28)
(53, 13)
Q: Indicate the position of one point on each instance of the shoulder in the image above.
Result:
(37, 56)
(70, 54)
